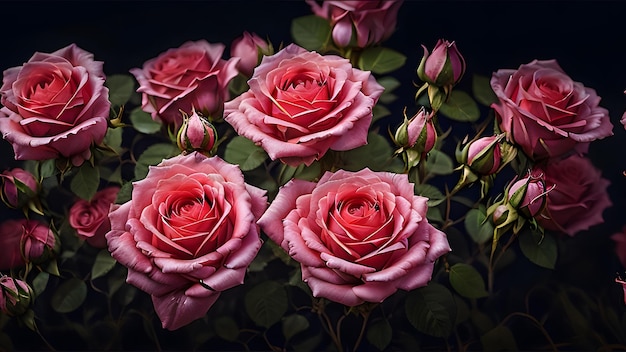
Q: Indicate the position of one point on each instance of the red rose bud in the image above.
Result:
(18, 187)
(196, 134)
(15, 296)
(529, 195)
(483, 156)
(444, 67)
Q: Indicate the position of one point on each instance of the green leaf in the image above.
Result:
(86, 181)
(434, 195)
(143, 122)
(499, 338)
(227, 328)
(482, 90)
(243, 152)
(103, 264)
(153, 155)
(439, 163)
(310, 32)
(479, 230)
(40, 282)
(375, 155)
(113, 138)
(381, 60)
(266, 303)
(431, 310)
(389, 82)
(69, 296)
(379, 111)
(294, 324)
(125, 193)
(541, 251)
(121, 87)
(379, 334)
(466, 280)
(460, 107)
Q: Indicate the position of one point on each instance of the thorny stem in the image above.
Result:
(366, 316)
(493, 262)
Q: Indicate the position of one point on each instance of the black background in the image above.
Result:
(587, 38)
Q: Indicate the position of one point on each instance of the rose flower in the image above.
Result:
(359, 237)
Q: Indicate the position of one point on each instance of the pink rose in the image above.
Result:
(300, 104)
(359, 236)
(620, 245)
(249, 48)
(579, 196)
(191, 76)
(545, 112)
(18, 186)
(23, 241)
(371, 21)
(90, 219)
(55, 105)
(188, 234)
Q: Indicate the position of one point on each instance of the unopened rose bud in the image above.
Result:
(444, 67)
(529, 195)
(483, 156)
(249, 48)
(15, 296)
(418, 132)
(196, 134)
(18, 187)
(500, 214)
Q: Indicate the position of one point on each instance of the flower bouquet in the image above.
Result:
(269, 196)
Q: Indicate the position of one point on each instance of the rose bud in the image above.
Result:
(249, 48)
(196, 134)
(24, 241)
(18, 187)
(417, 132)
(15, 296)
(529, 195)
(483, 156)
(444, 67)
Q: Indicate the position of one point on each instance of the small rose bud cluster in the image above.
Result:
(416, 136)
(15, 296)
(196, 134)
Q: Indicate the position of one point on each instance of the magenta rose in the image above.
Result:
(301, 104)
(545, 112)
(23, 241)
(55, 105)
(578, 198)
(191, 76)
(90, 219)
(188, 233)
(359, 236)
(371, 21)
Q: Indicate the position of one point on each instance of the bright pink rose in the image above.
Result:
(191, 76)
(371, 21)
(18, 186)
(188, 234)
(620, 245)
(300, 104)
(23, 241)
(90, 219)
(545, 112)
(55, 105)
(359, 237)
(249, 48)
(579, 196)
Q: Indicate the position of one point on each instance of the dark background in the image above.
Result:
(587, 38)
